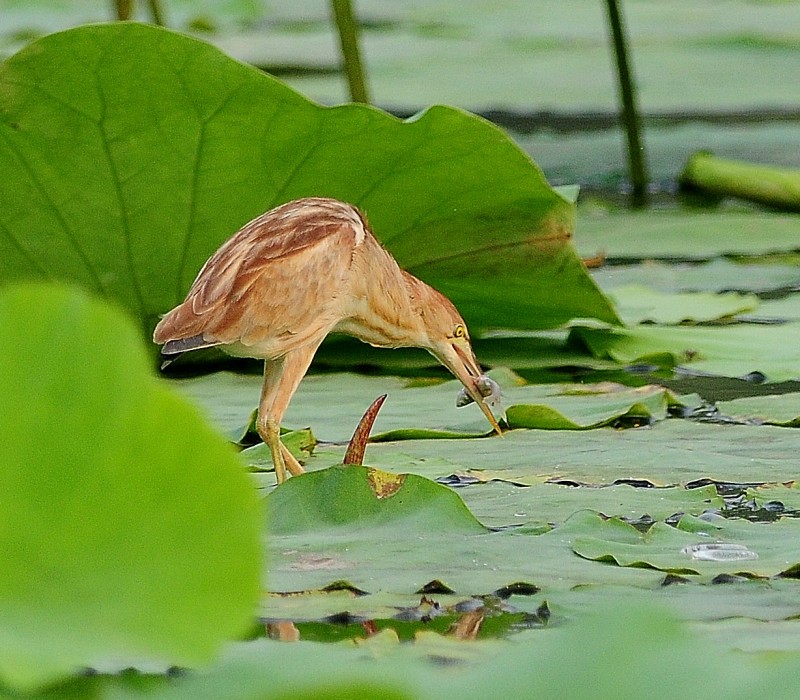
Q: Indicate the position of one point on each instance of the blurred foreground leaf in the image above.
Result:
(665, 659)
(129, 531)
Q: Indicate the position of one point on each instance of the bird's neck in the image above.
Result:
(388, 308)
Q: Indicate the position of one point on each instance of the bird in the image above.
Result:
(285, 280)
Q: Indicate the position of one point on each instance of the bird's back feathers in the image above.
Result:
(274, 285)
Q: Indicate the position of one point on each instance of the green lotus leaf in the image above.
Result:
(129, 530)
(734, 351)
(357, 498)
(130, 153)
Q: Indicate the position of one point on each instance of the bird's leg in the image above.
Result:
(272, 436)
(281, 379)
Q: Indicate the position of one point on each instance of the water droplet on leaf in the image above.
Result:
(719, 551)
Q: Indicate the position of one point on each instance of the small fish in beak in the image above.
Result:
(488, 388)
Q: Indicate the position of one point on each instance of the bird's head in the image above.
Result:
(448, 341)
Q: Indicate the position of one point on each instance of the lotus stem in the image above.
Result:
(123, 9)
(630, 113)
(778, 188)
(347, 27)
(157, 12)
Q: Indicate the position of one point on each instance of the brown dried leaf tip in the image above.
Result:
(358, 443)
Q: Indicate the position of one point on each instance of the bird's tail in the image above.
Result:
(173, 349)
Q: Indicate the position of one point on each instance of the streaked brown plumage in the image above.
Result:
(293, 275)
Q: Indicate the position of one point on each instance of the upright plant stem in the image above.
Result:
(630, 113)
(157, 12)
(347, 26)
(123, 9)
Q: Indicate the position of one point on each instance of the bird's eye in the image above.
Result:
(460, 331)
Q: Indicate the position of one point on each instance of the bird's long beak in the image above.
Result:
(463, 364)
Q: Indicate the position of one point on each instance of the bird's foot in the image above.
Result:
(290, 461)
(270, 434)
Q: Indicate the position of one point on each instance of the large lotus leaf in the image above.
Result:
(638, 304)
(332, 404)
(777, 409)
(384, 560)
(590, 406)
(404, 558)
(130, 153)
(671, 452)
(698, 546)
(359, 498)
(785, 309)
(704, 599)
(558, 407)
(129, 531)
(508, 500)
(731, 351)
(787, 495)
(686, 236)
(754, 635)
(716, 275)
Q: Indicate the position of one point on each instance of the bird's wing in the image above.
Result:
(276, 284)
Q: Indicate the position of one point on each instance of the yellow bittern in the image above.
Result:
(293, 275)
